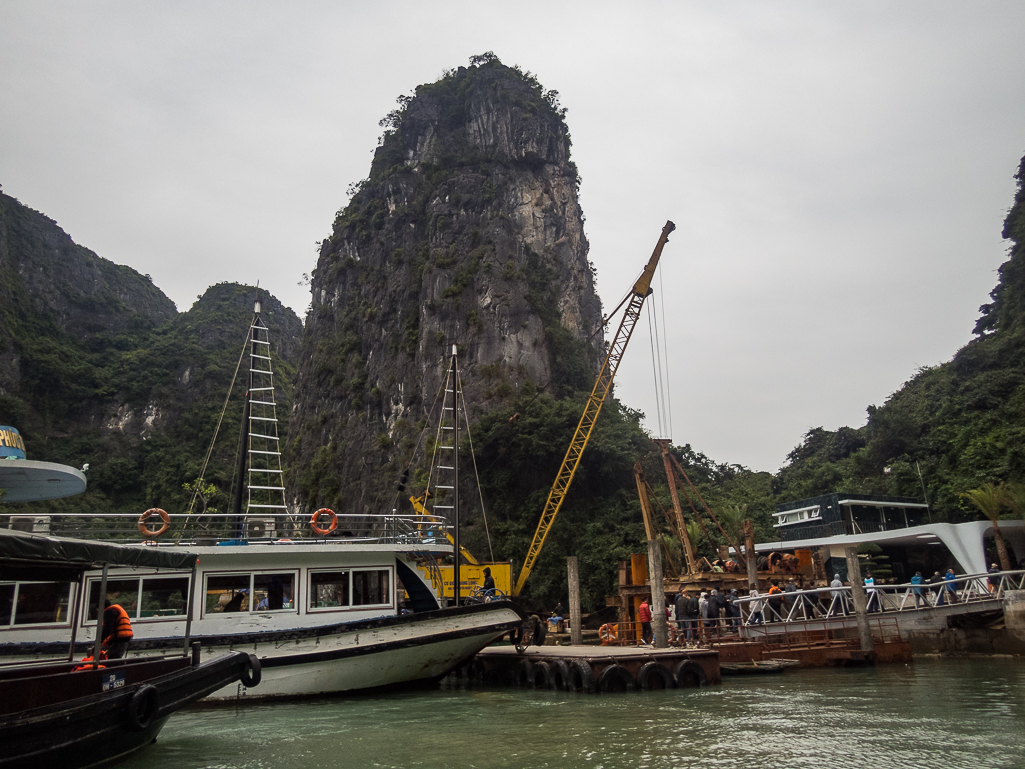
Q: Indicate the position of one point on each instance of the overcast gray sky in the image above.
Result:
(838, 172)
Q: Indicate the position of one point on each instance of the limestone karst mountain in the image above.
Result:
(467, 232)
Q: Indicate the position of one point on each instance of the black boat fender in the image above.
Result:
(690, 674)
(541, 676)
(540, 631)
(655, 675)
(559, 676)
(252, 675)
(615, 678)
(142, 707)
(581, 677)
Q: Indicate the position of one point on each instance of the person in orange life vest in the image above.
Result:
(775, 602)
(117, 631)
(644, 615)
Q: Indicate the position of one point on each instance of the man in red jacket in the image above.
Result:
(644, 615)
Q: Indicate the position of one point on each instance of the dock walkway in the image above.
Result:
(597, 668)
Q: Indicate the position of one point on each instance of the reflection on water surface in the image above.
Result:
(941, 714)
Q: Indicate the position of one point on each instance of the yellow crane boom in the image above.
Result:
(595, 401)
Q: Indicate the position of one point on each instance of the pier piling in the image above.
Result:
(576, 636)
(858, 598)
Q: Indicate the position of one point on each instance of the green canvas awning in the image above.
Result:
(34, 557)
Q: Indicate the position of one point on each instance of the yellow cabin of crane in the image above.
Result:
(471, 571)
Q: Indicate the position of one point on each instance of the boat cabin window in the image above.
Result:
(143, 597)
(246, 592)
(329, 589)
(349, 588)
(34, 603)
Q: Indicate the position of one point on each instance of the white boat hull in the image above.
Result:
(420, 649)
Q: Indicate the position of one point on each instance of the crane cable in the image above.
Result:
(660, 350)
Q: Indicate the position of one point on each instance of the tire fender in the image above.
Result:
(542, 675)
(525, 675)
(559, 676)
(615, 678)
(252, 674)
(655, 675)
(689, 674)
(142, 707)
(540, 631)
(581, 679)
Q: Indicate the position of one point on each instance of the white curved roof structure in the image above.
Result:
(25, 480)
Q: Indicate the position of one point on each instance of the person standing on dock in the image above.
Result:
(873, 600)
(755, 617)
(775, 602)
(788, 600)
(951, 585)
(937, 580)
(992, 581)
(683, 631)
(838, 599)
(734, 597)
(644, 615)
(917, 591)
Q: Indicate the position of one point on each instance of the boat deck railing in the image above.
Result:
(421, 532)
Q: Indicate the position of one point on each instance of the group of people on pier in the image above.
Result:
(695, 614)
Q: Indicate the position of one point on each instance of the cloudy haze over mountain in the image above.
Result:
(838, 173)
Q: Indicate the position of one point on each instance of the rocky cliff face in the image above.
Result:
(468, 232)
(49, 285)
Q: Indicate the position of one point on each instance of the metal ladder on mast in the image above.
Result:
(444, 478)
(266, 513)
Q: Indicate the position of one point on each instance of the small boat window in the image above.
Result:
(370, 588)
(350, 588)
(34, 603)
(143, 597)
(124, 592)
(329, 589)
(164, 597)
(273, 591)
(226, 594)
(230, 593)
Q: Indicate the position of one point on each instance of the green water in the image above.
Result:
(940, 714)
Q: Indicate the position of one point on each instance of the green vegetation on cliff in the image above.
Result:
(961, 423)
(97, 367)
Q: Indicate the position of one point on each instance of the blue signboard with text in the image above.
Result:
(11, 444)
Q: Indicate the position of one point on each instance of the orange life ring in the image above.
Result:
(320, 529)
(146, 530)
(608, 633)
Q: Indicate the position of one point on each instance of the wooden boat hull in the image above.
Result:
(75, 730)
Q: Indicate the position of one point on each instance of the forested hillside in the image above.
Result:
(962, 423)
(98, 367)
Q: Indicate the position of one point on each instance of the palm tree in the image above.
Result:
(990, 500)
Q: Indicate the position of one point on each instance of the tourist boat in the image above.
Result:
(72, 714)
(337, 603)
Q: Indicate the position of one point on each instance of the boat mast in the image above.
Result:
(455, 483)
(259, 468)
